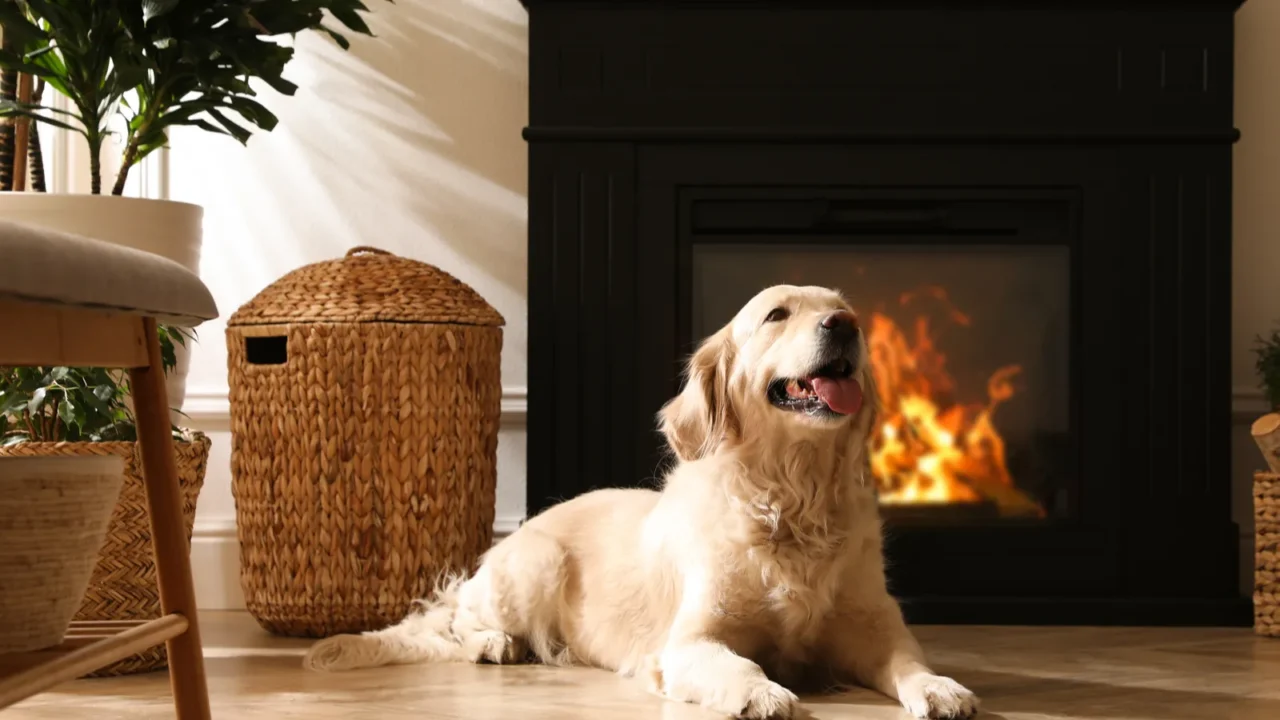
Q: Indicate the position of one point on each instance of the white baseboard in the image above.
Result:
(215, 560)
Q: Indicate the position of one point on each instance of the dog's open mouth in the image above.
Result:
(831, 389)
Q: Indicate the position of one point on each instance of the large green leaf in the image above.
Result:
(254, 111)
(128, 76)
(37, 400)
(67, 411)
(9, 108)
(16, 24)
(348, 16)
(234, 130)
(12, 401)
(337, 37)
(14, 61)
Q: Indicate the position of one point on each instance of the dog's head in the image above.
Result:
(791, 364)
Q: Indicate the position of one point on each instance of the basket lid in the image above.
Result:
(367, 285)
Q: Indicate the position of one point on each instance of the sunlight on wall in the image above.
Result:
(410, 142)
(1256, 167)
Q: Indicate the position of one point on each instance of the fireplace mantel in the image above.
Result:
(1121, 111)
(902, 70)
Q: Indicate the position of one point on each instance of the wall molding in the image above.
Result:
(1247, 403)
(212, 405)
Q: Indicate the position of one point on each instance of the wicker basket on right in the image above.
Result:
(1266, 575)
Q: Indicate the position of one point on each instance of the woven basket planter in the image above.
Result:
(54, 510)
(1266, 576)
(122, 585)
(365, 400)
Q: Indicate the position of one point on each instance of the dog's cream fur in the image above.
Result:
(761, 554)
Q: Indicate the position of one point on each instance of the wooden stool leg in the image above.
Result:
(168, 531)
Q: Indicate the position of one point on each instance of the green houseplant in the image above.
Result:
(128, 72)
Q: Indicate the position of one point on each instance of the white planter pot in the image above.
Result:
(163, 227)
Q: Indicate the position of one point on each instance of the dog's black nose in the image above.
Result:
(841, 326)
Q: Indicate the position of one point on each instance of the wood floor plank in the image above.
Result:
(1021, 674)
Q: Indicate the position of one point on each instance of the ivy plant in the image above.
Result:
(65, 404)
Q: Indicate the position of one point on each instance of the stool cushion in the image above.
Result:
(51, 267)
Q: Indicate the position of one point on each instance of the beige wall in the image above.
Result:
(412, 141)
(1256, 301)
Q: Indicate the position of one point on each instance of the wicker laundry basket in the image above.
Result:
(1266, 577)
(365, 400)
(123, 584)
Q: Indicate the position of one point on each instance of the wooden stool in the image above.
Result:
(67, 300)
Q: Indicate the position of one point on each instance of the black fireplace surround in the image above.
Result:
(1101, 127)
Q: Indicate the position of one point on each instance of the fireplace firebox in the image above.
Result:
(1029, 205)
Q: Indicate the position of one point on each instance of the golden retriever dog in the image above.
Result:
(757, 566)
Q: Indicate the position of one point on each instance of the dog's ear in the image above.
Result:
(702, 416)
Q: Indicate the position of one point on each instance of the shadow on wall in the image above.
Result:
(427, 115)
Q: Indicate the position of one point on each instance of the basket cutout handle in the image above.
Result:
(266, 350)
(366, 249)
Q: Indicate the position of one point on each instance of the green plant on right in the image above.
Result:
(1267, 362)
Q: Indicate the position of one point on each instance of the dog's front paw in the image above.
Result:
(934, 696)
(756, 700)
(770, 700)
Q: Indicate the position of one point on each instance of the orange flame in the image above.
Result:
(930, 448)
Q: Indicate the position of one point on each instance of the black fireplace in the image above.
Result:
(1029, 203)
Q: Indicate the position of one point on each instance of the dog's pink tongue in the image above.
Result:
(843, 396)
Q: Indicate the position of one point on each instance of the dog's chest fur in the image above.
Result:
(801, 544)
(796, 590)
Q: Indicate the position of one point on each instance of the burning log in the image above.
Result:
(1266, 433)
(1011, 501)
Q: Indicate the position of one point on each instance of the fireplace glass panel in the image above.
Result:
(970, 350)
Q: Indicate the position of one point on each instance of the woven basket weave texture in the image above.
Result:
(368, 285)
(123, 584)
(1266, 576)
(364, 462)
(52, 519)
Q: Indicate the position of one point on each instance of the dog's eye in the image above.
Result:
(777, 315)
